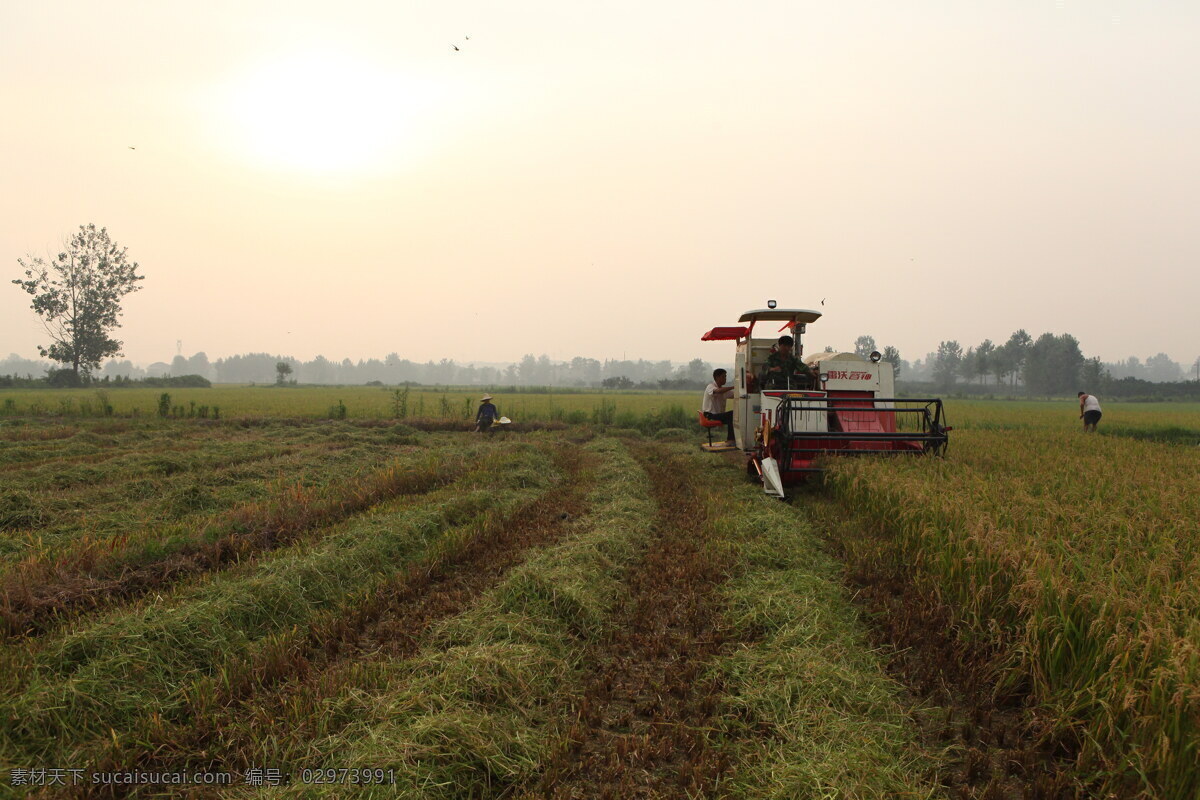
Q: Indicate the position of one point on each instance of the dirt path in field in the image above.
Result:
(280, 698)
(993, 744)
(639, 731)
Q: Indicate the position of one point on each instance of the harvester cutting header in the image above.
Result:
(789, 409)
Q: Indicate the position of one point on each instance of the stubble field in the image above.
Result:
(372, 607)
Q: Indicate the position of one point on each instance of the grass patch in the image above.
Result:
(475, 711)
(807, 710)
(68, 690)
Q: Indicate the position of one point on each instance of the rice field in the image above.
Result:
(343, 402)
(277, 603)
(1071, 565)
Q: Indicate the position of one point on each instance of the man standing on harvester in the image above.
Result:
(784, 370)
(713, 406)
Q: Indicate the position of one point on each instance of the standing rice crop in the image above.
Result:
(1075, 559)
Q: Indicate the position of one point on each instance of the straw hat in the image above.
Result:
(485, 398)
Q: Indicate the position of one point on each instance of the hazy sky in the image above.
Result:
(610, 178)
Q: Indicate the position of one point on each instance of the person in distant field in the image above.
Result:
(1089, 411)
(713, 406)
(784, 370)
(486, 415)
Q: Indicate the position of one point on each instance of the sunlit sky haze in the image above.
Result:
(610, 179)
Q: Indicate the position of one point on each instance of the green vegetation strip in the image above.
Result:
(68, 474)
(475, 711)
(35, 441)
(271, 711)
(45, 508)
(64, 692)
(176, 498)
(85, 505)
(807, 709)
(35, 595)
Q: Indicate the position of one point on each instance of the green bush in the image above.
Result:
(605, 413)
(178, 382)
(64, 379)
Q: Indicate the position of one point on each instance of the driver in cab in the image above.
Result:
(784, 370)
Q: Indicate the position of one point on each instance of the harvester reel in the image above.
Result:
(938, 448)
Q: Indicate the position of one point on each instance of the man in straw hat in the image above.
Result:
(486, 416)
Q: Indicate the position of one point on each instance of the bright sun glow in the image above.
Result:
(324, 112)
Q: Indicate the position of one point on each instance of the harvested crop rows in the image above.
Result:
(278, 695)
(536, 616)
(641, 722)
(567, 614)
(150, 543)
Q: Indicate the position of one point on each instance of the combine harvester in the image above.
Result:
(849, 410)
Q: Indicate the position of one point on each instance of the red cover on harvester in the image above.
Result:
(855, 421)
(720, 334)
(861, 417)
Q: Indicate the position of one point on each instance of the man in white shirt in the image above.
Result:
(1089, 411)
(713, 406)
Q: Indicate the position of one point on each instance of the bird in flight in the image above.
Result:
(822, 301)
(131, 147)
(455, 47)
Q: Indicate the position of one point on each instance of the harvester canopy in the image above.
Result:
(780, 315)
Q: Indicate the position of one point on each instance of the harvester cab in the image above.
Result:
(849, 409)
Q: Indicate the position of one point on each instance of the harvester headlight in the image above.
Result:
(824, 376)
(875, 356)
(770, 304)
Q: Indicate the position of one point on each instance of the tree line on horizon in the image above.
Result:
(263, 368)
(1050, 365)
(78, 295)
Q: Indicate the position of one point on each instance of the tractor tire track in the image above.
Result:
(641, 727)
(279, 695)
